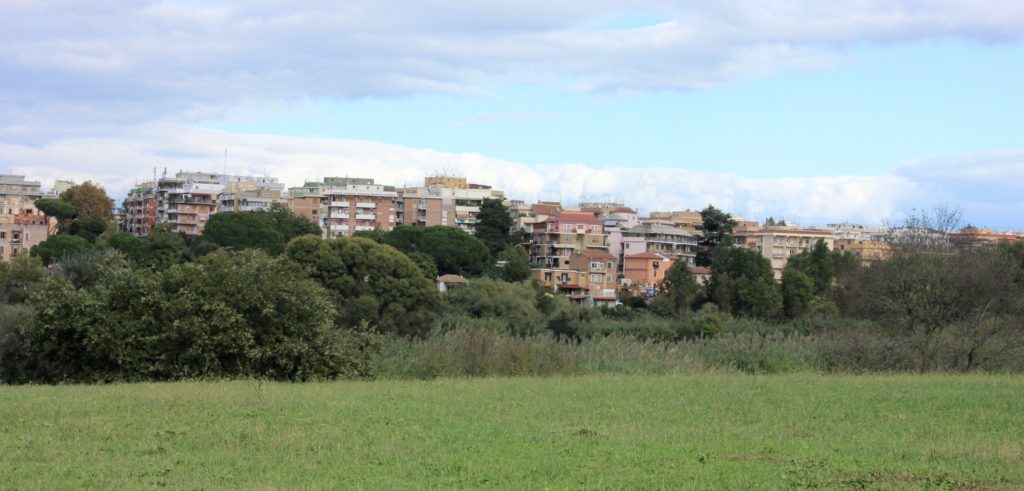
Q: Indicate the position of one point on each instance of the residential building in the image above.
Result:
(358, 205)
(525, 216)
(644, 272)
(555, 239)
(18, 197)
(973, 237)
(616, 220)
(867, 250)
(662, 239)
(590, 277)
(445, 200)
(777, 243)
(18, 238)
(847, 230)
(684, 219)
(243, 198)
(140, 208)
(187, 200)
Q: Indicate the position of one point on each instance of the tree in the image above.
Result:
(818, 264)
(716, 229)
(509, 304)
(494, 225)
(89, 228)
(240, 230)
(933, 301)
(18, 277)
(453, 250)
(229, 314)
(90, 200)
(63, 211)
(514, 264)
(289, 224)
(797, 292)
(59, 247)
(742, 283)
(680, 289)
(370, 283)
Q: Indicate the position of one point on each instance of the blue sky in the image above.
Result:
(818, 112)
(881, 107)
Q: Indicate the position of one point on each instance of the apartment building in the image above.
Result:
(555, 239)
(187, 200)
(140, 209)
(524, 216)
(616, 220)
(244, 198)
(868, 251)
(445, 200)
(644, 272)
(18, 238)
(17, 199)
(974, 237)
(683, 219)
(662, 239)
(777, 243)
(358, 205)
(590, 277)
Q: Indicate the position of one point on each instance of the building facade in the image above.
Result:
(777, 244)
(18, 238)
(357, 207)
(661, 239)
(557, 238)
(444, 200)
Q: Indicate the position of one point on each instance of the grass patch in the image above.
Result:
(709, 431)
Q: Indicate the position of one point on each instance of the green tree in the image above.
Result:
(371, 283)
(18, 277)
(797, 292)
(289, 224)
(63, 211)
(742, 283)
(494, 225)
(454, 251)
(89, 228)
(508, 304)
(59, 247)
(818, 263)
(240, 230)
(90, 200)
(680, 289)
(515, 264)
(716, 229)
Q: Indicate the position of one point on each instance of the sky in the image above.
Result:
(815, 112)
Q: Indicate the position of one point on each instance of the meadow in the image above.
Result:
(694, 431)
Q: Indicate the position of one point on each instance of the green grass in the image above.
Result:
(700, 431)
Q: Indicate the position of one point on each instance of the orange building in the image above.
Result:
(644, 272)
(589, 279)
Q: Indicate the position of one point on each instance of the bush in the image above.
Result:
(513, 304)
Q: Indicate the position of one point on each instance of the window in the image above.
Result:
(610, 266)
(596, 278)
(564, 277)
(595, 265)
(3, 235)
(547, 276)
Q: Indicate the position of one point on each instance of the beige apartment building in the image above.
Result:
(555, 239)
(777, 244)
(867, 250)
(18, 238)
(445, 200)
(659, 238)
(685, 219)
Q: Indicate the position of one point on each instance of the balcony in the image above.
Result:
(339, 204)
(338, 214)
(365, 216)
(366, 205)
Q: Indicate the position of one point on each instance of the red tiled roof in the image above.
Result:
(545, 208)
(596, 254)
(623, 209)
(699, 270)
(574, 217)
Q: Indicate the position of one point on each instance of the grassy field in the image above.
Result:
(691, 432)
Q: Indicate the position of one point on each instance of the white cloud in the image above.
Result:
(135, 61)
(130, 156)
